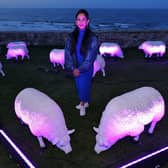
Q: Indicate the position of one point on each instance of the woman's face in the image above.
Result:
(81, 21)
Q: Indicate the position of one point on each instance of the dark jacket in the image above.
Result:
(91, 54)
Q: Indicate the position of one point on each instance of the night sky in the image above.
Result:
(84, 4)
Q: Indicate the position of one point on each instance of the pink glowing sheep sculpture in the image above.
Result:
(16, 49)
(99, 65)
(112, 49)
(44, 118)
(1, 70)
(56, 57)
(153, 47)
(126, 115)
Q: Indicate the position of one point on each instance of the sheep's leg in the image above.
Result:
(93, 74)
(103, 71)
(152, 127)
(28, 57)
(2, 72)
(146, 55)
(136, 131)
(41, 142)
(136, 138)
(54, 65)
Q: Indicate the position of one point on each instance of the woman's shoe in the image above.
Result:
(82, 111)
(79, 105)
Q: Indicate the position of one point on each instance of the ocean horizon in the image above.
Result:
(62, 19)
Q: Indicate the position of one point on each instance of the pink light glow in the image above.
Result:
(21, 154)
(145, 157)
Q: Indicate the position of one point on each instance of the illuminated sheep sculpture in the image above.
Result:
(99, 65)
(16, 49)
(56, 57)
(126, 115)
(112, 49)
(153, 47)
(1, 70)
(44, 118)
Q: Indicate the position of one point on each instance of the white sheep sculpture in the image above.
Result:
(16, 49)
(126, 115)
(99, 65)
(112, 49)
(153, 47)
(1, 70)
(44, 118)
(57, 57)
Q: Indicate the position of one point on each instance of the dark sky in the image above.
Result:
(83, 3)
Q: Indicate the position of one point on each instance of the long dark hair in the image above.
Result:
(74, 34)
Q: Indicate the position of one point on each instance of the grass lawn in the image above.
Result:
(124, 75)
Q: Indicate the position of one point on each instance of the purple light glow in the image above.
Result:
(16, 149)
(145, 157)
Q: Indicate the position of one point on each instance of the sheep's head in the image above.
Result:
(64, 143)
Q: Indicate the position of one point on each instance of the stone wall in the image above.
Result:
(123, 38)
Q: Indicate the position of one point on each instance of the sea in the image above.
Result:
(60, 19)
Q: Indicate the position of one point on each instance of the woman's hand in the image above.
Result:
(76, 72)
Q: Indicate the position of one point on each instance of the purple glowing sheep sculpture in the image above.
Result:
(126, 115)
(153, 47)
(57, 57)
(112, 49)
(44, 118)
(16, 49)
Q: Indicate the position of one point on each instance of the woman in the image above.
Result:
(81, 49)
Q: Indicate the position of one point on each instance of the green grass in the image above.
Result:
(122, 76)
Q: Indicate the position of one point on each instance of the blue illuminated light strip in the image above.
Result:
(145, 157)
(16, 149)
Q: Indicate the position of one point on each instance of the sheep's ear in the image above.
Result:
(95, 129)
(71, 131)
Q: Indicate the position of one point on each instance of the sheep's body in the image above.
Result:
(153, 47)
(57, 57)
(16, 49)
(1, 70)
(127, 114)
(99, 65)
(112, 49)
(44, 118)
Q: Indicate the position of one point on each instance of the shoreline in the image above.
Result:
(126, 39)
